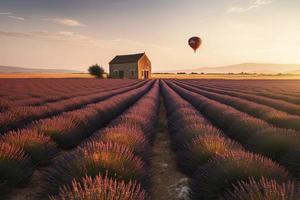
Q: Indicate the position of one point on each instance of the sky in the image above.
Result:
(73, 34)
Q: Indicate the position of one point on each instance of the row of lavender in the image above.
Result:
(220, 168)
(269, 114)
(17, 89)
(282, 145)
(114, 163)
(20, 116)
(49, 97)
(270, 91)
(38, 92)
(24, 150)
(280, 104)
(287, 90)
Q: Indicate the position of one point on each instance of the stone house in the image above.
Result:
(133, 66)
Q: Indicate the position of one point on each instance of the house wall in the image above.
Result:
(126, 67)
(144, 64)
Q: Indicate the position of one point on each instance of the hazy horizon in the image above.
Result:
(65, 33)
(294, 67)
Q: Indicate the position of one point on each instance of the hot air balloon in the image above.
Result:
(195, 43)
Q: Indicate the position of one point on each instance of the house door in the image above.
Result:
(121, 74)
(146, 74)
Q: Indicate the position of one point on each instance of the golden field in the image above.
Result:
(227, 76)
(45, 75)
(160, 76)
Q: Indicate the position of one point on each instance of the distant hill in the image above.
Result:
(8, 69)
(261, 68)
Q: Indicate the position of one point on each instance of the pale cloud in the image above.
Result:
(66, 36)
(76, 38)
(263, 2)
(10, 15)
(17, 18)
(5, 13)
(66, 21)
(256, 4)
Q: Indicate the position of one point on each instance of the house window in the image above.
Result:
(116, 73)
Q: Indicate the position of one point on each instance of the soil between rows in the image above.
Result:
(168, 182)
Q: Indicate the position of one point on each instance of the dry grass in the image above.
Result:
(45, 75)
(226, 76)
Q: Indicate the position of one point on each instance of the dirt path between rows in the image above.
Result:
(168, 182)
(29, 191)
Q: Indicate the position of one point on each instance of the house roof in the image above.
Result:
(132, 58)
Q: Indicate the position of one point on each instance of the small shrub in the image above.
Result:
(100, 188)
(263, 189)
(40, 147)
(190, 120)
(220, 114)
(15, 166)
(134, 119)
(115, 160)
(130, 137)
(184, 136)
(87, 118)
(214, 178)
(96, 70)
(244, 126)
(64, 131)
(204, 148)
(179, 113)
(274, 142)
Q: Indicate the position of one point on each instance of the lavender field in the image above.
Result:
(93, 139)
